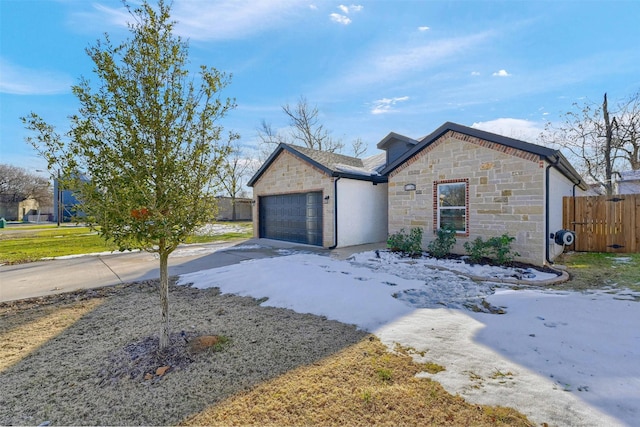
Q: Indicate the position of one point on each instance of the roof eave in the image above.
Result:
(543, 152)
(378, 179)
(285, 147)
(561, 163)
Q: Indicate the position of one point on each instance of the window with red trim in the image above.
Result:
(452, 205)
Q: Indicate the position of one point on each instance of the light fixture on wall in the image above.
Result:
(253, 203)
(409, 187)
(326, 199)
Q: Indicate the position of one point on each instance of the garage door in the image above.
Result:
(292, 217)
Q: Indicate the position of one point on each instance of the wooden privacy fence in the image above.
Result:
(604, 223)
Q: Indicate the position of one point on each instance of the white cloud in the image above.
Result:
(313, 7)
(115, 16)
(501, 73)
(424, 28)
(475, 73)
(343, 19)
(19, 80)
(340, 19)
(385, 105)
(524, 130)
(352, 8)
(402, 60)
(219, 20)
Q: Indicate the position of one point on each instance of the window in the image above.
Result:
(451, 201)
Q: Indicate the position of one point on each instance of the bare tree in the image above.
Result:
(305, 129)
(233, 173)
(628, 130)
(18, 184)
(358, 147)
(601, 142)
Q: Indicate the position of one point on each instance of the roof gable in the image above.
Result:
(554, 157)
(393, 137)
(330, 163)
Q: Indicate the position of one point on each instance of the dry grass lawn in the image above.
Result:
(62, 361)
(362, 385)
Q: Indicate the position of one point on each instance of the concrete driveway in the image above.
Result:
(92, 271)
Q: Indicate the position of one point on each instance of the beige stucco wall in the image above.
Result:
(225, 209)
(288, 174)
(362, 212)
(506, 192)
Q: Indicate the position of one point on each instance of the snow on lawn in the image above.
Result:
(564, 358)
(216, 229)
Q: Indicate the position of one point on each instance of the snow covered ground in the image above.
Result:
(221, 228)
(564, 358)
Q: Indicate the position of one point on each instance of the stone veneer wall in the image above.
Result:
(505, 191)
(288, 174)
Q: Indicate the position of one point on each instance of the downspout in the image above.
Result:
(546, 211)
(573, 194)
(335, 213)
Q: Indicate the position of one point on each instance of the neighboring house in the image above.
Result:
(65, 203)
(628, 182)
(226, 209)
(319, 198)
(480, 183)
(14, 210)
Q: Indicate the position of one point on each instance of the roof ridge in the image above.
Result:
(327, 158)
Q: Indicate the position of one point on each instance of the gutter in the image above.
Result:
(546, 209)
(573, 192)
(335, 213)
(577, 182)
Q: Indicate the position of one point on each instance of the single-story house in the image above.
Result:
(481, 183)
(319, 198)
(627, 182)
(17, 209)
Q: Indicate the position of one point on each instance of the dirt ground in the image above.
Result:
(88, 358)
(65, 359)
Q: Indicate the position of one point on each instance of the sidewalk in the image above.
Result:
(93, 271)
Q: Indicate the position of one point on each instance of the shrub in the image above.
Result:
(441, 246)
(477, 250)
(502, 249)
(497, 249)
(410, 244)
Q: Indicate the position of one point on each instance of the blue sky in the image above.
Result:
(371, 67)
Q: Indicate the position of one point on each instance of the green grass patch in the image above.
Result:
(594, 270)
(32, 243)
(20, 227)
(433, 368)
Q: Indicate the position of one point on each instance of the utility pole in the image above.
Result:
(59, 199)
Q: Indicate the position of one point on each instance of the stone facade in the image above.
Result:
(288, 174)
(505, 192)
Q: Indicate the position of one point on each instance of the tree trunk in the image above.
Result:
(233, 208)
(608, 183)
(164, 298)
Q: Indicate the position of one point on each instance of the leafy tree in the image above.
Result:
(601, 141)
(305, 129)
(148, 139)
